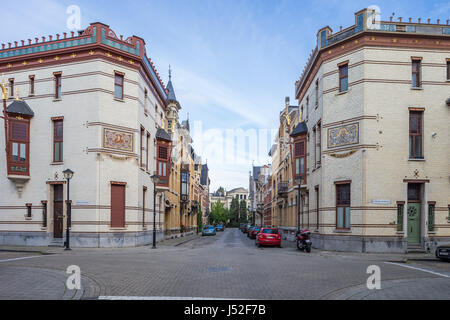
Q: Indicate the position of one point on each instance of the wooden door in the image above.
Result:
(117, 206)
(58, 208)
(413, 223)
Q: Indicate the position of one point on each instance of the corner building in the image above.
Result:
(92, 102)
(375, 100)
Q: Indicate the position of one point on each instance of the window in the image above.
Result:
(319, 143)
(162, 162)
(400, 208)
(317, 93)
(31, 84)
(415, 134)
(147, 144)
(314, 146)
(57, 85)
(19, 146)
(184, 183)
(343, 205)
(431, 209)
(300, 159)
(307, 108)
(416, 68)
(57, 140)
(141, 147)
(343, 77)
(448, 69)
(118, 85)
(145, 100)
(11, 87)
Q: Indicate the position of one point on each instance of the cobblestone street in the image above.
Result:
(227, 265)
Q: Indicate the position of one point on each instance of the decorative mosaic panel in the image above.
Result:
(119, 140)
(343, 135)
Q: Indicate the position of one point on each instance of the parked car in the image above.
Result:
(254, 232)
(249, 231)
(209, 231)
(269, 237)
(443, 252)
(220, 227)
(242, 226)
(246, 227)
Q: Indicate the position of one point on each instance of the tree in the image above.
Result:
(243, 212)
(218, 213)
(234, 209)
(199, 219)
(221, 191)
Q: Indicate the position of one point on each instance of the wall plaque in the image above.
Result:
(343, 135)
(119, 140)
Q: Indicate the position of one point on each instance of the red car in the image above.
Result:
(268, 237)
(254, 231)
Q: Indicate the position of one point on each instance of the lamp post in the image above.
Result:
(298, 181)
(68, 174)
(155, 179)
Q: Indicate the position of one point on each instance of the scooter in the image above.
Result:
(304, 240)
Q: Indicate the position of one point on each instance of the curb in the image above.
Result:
(183, 242)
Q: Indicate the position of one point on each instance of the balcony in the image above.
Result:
(283, 189)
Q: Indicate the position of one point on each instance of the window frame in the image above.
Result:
(58, 140)
(11, 87)
(412, 135)
(119, 75)
(431, 216)
(147, 147)
(341, 184)
(12, 140)
(31, 83)
(162, 164)
(141, 147)
(298, 156)
(341, 67)
(417, 73)
(317, 93)
(400, 215)
(448, 69)
(58, 85)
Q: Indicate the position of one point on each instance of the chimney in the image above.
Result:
(390, 19)
(410, 20)
(65, 35)
(420, 19)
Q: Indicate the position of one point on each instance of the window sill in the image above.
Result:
(416, 159)
(31, 94)
(416, 88)
(400, 232)
(342, 231)
(432, 232)
(118, 228)
(56, 163)
(119, 100)
(57, 99)
(342, 92)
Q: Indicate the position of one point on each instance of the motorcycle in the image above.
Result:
(304, 240)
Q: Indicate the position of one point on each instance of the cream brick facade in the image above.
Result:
(88, 106)
(376, 160)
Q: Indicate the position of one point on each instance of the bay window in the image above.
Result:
(342, 205)
(19, 141)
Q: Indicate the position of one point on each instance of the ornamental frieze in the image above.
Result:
(343, 135)
(119, 140)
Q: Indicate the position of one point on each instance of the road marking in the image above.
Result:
(161, 298)
(420, 269)
(21, 258)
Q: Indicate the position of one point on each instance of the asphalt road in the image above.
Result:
(225, 266)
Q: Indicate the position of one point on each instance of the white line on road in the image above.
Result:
(420, 269)
(21, 258)
(161, 298)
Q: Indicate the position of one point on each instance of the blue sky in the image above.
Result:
(233, 61)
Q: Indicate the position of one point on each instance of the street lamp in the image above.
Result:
(155, 179)
(68, 174)
(298, 181)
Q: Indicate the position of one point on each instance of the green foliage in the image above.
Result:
(234, 209)
(243, 212)
(218, 213)
(199, 218)
(221, 190)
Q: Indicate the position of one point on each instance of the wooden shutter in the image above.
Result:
(299, 149)
(117, 205)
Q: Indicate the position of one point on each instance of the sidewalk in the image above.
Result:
(180, 240)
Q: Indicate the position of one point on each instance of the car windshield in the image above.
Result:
(256, 229)
(209, 227)
(272, 231)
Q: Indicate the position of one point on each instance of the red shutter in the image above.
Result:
(19, 131)
(299, 149)
(117, 206)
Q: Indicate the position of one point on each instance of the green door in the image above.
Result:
(413, 223)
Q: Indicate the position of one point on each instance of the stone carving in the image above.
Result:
(344, 135)
(118, 140)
